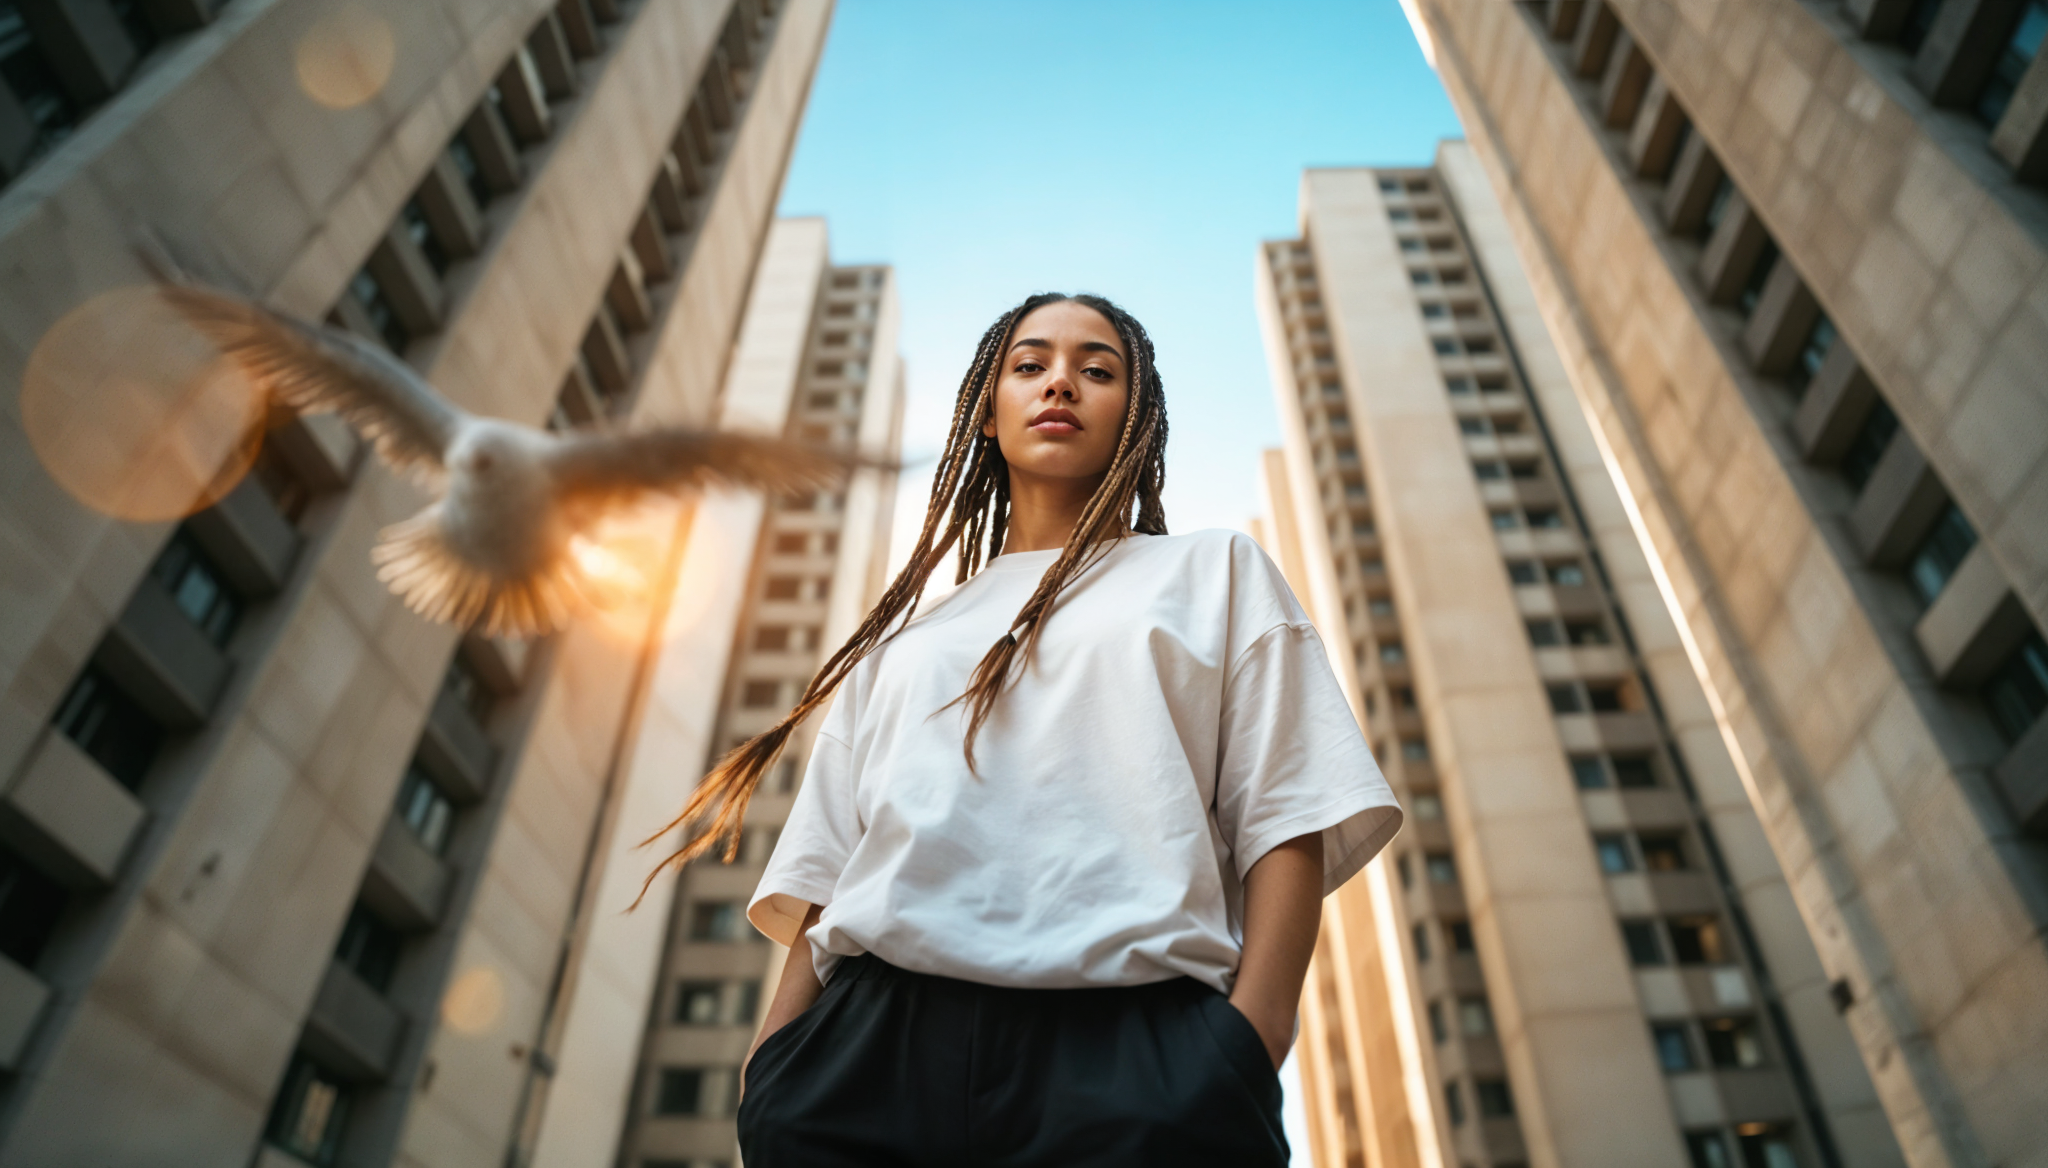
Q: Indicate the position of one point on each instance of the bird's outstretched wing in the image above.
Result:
(595, 468)
(312, 368)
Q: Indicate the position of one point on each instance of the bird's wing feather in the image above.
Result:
(595, 467)
(314, 368)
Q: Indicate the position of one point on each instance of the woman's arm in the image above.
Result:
(1283, 907)
(794, 992)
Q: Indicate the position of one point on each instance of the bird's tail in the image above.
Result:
(414, 560)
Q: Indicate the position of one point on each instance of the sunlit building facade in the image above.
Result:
(1581, 950)
(289, 876)
(1795, 259)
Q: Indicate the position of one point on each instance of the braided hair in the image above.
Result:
(970, 507)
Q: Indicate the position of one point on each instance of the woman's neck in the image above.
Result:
(1043, 512)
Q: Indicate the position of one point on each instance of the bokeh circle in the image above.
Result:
(345, 59)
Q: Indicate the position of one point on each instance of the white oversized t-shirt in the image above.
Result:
(1175, 722)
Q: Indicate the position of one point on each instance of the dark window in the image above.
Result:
(1454, 277)
(1503, 425)
(1542, 517)
(1458, 384)
(679, 1092)
(782, 587)
(30, 904)
(1461, 936)
(1391, 653)
(1707, 1150)
(1433, 311)
(109, 727)
(697, 1003)
(471, 170)
(1941, 553)
(384, 318)
(1523, 572)
(1489, 470)
(1475, 1017)
(1420, 933)
(469, 691)
(1697, 941)
(1524, 470)
(760, 695)
(1419, 186)
(1444, 346)
(1614, 854)
(1405, 870)
(370, 948)
(2019, 52)
(1634, 771)
(1585, 632)
(1605, 699)
(1564, 699)
(1674, 1049)
(1437, 1029)
(421, 232)
(1812, 354)
(823, 401)
(1588, 774)
(1544, 631)
(2018, 689)
(1400, 215)
(1640, 938)
(771, 639)
(1662, 853)
(1770, 1147)
(287, 491)
(1919, 21)
(1441, 868)
(790, 544)
(1411, 245)
(1478, 344)
(1732, 1043)
(1422, 278)
(1472, 426)
(1390, 186)
(1869, 444)
(1454, 1104)
(310, 1111)
(1505, 520)
(198, 587)
(425, 809)
(748, 1003)
(1495, 1100)
(717, 920)
(1717, 206)
(1759, 275)
(1567, 573)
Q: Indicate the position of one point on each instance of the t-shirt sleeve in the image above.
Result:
(1292, 761)
(816, 841)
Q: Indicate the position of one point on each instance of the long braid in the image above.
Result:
(968, 507)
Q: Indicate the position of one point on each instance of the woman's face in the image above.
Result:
(1059, 403)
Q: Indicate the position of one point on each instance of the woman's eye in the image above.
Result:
(1100, 374)
(1029, 367)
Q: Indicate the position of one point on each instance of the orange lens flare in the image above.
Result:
(134, 413)
(622, 559)
(346, 58)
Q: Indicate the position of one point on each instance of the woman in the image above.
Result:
(1059, 855)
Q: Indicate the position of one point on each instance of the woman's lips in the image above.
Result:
(1054, 426)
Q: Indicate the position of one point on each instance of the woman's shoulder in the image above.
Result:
(1211, 546)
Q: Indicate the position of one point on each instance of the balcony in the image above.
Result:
(22, 998)
(246, 536)
(455, 749)
(69, 817)
(407, 884)
(162, 660)
(352, 1028)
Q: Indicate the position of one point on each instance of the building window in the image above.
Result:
(760, 695)
(1587, 773)
(421, 232)
(1918, 22)
(1378, 606)
(1441, 868)
(1421, 279)
(771, 639)
(472, 171)
(1590, 632)
(30, 905)
(1641, 940)
(310, 1111)
(782, 587)
(1400, 215)
(1390, 186)
(1633, 771)
(1461, 936)
(1567, 573)
(1415, 749)
(1614, 854)
(1674, 1049)
(1766, 1145)
(2012, 63)
(1524, 470)
(1427, 807)
(425, 809)
(1454, 1104)
(1472, 427)
(1813, 353)
(370, 948)
(1941, 553)
(1732, 1043)
(1391, 653)
(1431, 310)
(1438, 1030)
(1707, 1149)
(1420, 934)
(1605, 699)
(109, 726)
(1488, 471)
(384, 318)
(718, 920)
(1495, 1100)
(1544, 518)
(197, 587)
(469, 691)
(1409, 243)
(1523, 572)
(1663, 852)
(703, 1091)
(1717, 206)
(2018, 689)
(746, 1002)
(1544, 632)
(1475, 1017)
(1505, 520)
(1404, 870)
(1458, 385)
(1759, 275)
(1564, 699)
(1869, 444)
(697, 1003)
(1697, 941)
(1479, 346)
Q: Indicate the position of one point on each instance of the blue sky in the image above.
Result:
(1139, 150)
(1135, 149)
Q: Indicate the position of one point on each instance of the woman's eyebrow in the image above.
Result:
(1086, 346)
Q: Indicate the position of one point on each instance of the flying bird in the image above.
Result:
(494, 550)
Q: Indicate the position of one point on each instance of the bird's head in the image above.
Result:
(490, 451)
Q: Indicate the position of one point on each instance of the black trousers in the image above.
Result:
(893, 1069)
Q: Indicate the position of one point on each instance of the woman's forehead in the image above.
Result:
(1066, 322)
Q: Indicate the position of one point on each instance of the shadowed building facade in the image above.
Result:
(1581, 950)
(1795, 258)
(288, 875)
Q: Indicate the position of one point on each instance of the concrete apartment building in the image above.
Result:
(1794, 254)
(1582, 950)
(817, 567)
(289, 876)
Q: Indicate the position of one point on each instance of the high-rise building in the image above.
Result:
(826, 353)
(288, 875)
(1580, 951)
(1795, 257)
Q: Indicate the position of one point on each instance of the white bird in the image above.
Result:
(494, 550)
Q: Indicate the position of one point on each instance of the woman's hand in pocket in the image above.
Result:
(795, 991)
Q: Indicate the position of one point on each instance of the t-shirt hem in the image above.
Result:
(773, 910)
(1322, 819)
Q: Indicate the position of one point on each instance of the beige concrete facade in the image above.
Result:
(820, 342)
(348, 921)
(1583, 952)
(1793, 256)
